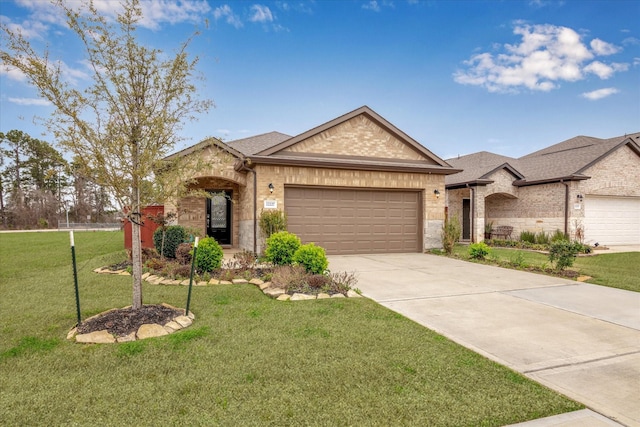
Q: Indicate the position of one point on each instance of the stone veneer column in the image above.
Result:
(478, 211)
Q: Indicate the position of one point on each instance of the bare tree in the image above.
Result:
(122, 125)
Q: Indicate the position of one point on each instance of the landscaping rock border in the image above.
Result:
(147, 330)
(266, 287)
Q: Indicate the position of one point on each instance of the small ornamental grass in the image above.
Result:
(451, 233)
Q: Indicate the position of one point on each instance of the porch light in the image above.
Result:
(579, 197)
(437, 193)
(270, 188)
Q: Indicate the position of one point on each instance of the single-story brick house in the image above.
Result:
(356, 184)
(587, 187)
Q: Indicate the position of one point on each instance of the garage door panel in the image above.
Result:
(612, 220)
(355, 221)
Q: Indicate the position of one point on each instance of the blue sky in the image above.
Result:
(509, 77)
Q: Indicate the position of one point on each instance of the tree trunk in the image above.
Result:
(136, 251)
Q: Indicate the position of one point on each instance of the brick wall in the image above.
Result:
(358, 137)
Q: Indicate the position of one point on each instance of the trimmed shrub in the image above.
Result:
(280, 248)
(173, 236)
(478, 250)
(209, 255)
(528, 236)
(563, 253)
(183, 253)
(272, 221)
(451, 233)
(313, 258)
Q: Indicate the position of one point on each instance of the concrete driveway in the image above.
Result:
(579, 339)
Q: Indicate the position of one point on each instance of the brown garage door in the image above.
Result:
(347, 221)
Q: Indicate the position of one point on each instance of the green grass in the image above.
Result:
(247, 359)
(619, 270)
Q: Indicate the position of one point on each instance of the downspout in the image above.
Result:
(566, 208)
(255, 203)
(472, 213)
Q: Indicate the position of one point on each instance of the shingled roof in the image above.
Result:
(254, 144)
(566, 160)
(476, 167)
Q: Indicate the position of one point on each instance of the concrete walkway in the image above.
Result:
(579, 339)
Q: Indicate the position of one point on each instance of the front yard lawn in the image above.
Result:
(616, 270)
(247, 359)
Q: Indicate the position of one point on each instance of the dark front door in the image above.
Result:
(466, 219)
(219, 216)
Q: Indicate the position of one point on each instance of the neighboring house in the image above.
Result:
(586, 187)
(356, 184)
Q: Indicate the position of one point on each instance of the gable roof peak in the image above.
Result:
(361, 111)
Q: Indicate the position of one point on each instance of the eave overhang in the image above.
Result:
(574, 177)
(345, 163)
(466, 184)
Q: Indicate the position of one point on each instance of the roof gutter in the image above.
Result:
(468, 184)
(351, 165)
(575, 177)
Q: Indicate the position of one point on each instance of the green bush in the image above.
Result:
(173, 236)
(528, 236)
(558, 236)
(280, 247)
(208, 255)
(272, 221)
(451, 233)
(542, 238)
(479, 250)
(563, 253)
(313, 258)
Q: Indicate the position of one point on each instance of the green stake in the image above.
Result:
(75, 275)
(193, 265)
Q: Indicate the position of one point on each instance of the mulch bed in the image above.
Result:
(122, 322)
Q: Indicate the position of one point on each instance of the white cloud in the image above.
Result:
(631, 41)
(30, 101)
(29, 29)
(12, 73)
(225, 12)
(372, 5)
(260, 14)
(545, 56)
(603, 48)
(605, 71)
(600, 93)
(72, 75)
(154, 12)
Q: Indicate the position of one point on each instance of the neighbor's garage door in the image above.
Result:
(612, 220)
(348, 221)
